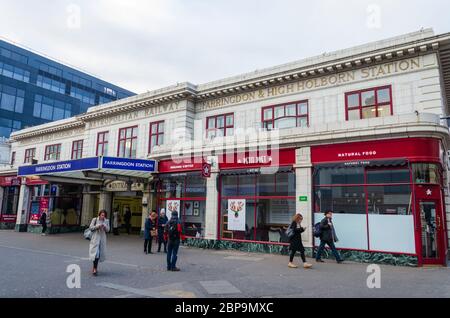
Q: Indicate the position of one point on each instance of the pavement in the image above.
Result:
(34, 266)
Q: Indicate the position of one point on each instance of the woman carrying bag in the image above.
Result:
(97, 246)
(295, 238)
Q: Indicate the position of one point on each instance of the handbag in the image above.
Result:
(153, 233)
(88, 233)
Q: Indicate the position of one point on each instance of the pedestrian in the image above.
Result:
(97, 246)
(43, 222)
(328, 237)
(296, 244)
(173, 235)
(127, 219)
(162, 221)
(116, 222)
(149, 232)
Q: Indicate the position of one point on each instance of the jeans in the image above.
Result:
(148, 245)
(44, 228)
(172, 251)
(161, 241)
(333, 250)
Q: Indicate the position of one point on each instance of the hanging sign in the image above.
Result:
(236, 215)
(173, 206)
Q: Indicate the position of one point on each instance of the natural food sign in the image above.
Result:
(173, 206)
(236, 215)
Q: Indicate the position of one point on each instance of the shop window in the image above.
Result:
(29, 155)
(189, 191)
(341, 200)
(10, 201)
(370, 103)
(77, 149)
(286, 116)
(195, 187)
(219, 126)
(388, 176)
(390, 200)
(269, 201)
(127, 142)
(102, 143)
(52, 152)
(426, 173)
(335, 176)
(156, 135)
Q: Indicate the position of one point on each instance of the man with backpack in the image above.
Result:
(43, 222)
(325, 230)
(173, 235)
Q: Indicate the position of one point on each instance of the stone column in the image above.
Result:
(212, 206)
(105, 202)
(146, 210)
(2, 190)
(303, 177)
(22, 209)
(87, 210)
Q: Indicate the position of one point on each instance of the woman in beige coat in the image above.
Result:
(97, 247)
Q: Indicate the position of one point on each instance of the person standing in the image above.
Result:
(127, 218)
(116, 222)
(149, 232)
(43, 222)
(328, 237)
(97, 246)
(296, 244)
(173, 235)
(162, 221)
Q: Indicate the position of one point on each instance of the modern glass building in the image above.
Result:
(35, 90)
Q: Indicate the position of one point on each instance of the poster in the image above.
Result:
(172, 206)
(188, 208)
(236, 215)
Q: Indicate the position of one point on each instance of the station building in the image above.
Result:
(361, 131)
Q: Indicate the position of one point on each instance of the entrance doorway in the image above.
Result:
(430, 226)
(123, 203)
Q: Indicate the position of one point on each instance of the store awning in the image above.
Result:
(93, 169)
(367, 163)
(263, 170)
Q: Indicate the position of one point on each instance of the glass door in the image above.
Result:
(431, 232)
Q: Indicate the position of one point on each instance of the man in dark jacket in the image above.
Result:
(162, 221)
(173, 235)
(43, 222)
(127, 218)
(328, 237)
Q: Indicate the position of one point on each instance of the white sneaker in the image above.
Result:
(307, 266)
(292, 265)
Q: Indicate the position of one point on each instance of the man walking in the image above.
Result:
(173, 235)
(127, 218)
(328, 237)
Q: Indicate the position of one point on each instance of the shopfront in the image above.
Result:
(9, 195)
(182, 188)
(387, 196)
(257, 196)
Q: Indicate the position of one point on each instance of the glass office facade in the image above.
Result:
(35, 90)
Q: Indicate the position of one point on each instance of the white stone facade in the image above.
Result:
(409, 65)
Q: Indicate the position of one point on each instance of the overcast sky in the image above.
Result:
(148, 44)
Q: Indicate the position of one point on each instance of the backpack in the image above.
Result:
(317, 230)
(290, 232)
(172, 230)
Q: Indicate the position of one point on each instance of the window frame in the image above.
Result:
(48, 154)
(158, 134)
(77, 149)
(133, 139)
(103, 143)
(13, 158)
(297, 116)
(225, 126)
(30, 154)
(376, 104)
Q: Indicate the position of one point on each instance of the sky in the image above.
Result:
(143, 45)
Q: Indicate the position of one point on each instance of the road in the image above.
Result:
(35, 266)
